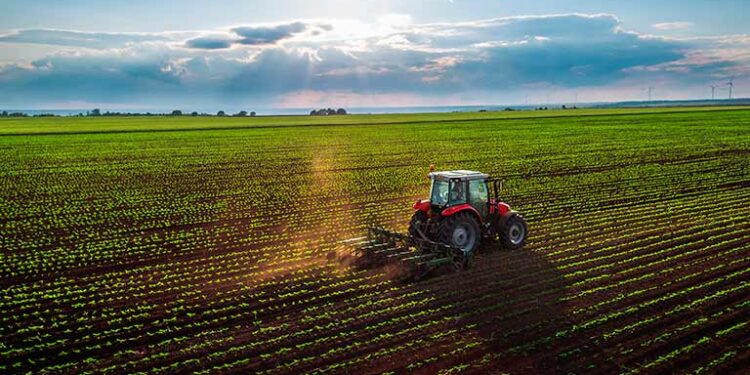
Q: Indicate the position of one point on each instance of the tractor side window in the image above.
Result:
(458, 193)
(439, 194)
(478, 192)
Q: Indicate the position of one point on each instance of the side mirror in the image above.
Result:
(497, 187)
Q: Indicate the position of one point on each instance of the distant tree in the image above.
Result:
(176, 112)
(95, 112)
(221, 114)
(241, 114)
(252, 114)
(508, 109)
(313, 113)
(564, 107)
(194, 114)
(340, 111)
(4, 114)
(482, 110)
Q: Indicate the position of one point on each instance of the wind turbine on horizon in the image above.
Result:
(713, 90)
(731, 86)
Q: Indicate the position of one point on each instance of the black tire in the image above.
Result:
(513, 232)
(418, 220)
(461, 225)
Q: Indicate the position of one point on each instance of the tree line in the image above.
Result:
(327, 112)
(176, 112)
(17, 114)
(98, 112)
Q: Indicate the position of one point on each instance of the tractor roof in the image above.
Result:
(459, 174)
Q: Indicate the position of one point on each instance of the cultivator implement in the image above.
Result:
(409, 257)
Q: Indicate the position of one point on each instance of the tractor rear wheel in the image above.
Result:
(514, 232)
(460, 230)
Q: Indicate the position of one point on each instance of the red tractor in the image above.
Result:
(463, 209)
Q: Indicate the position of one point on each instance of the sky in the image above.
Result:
(209, 55)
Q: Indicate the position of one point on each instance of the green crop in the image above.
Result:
(202, 245)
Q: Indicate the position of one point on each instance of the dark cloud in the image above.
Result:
(209, 43)
(77, 38)
(95, 78)
(566, 62)
(257, 35)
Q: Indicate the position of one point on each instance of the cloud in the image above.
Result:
(256, 35)
(78, 38)
(107, 78)
(263, 64)
(508, 30)
(209, 42)
(666, 26)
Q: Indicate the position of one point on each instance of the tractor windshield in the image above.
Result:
(439, 192)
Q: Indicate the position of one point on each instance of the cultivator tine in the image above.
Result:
(419, 258)
(387, 250)
(353, 240)
(374, 247)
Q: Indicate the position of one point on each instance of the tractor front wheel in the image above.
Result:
(460, 230)
(513, 232)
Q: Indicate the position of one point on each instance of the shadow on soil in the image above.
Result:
(509, 301)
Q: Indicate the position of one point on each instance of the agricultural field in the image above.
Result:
(212, 245)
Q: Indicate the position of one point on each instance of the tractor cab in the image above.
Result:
(454, 188)
(464, 207)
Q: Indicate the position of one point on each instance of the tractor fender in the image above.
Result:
(504, 219)
(422, 205)
(450, 211)
(500, 208)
